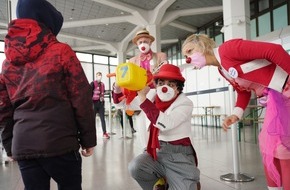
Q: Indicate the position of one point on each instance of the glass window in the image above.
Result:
(210, 31)
(101, 59)
(263, 4)
(88, 69)
(183, 61)
(111, 79)
(1, 46)
(169, 53)
(218, 39)
(202, 32)
(253, 8)
(277, 2)
(174, 60)
(178, 55)
(84, 57)
(104, 69)
(280, 17)
(174, 50)
(253, 29)
(113, 69)
(113, 61)
(264, 24)
(2, 58)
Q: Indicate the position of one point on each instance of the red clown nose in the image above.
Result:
(188, 60)
(143, 48)
(164, 89)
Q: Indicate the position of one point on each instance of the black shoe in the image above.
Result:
(133, 130)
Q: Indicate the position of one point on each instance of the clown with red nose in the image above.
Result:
(170, 135)
(147, 59)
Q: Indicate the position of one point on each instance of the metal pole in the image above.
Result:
(236, 176)
(110, 118)
(9, 17)
(234, 135)
(125, 125)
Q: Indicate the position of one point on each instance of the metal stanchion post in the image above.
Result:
(125, 125)
(110, 119)
(236, 176)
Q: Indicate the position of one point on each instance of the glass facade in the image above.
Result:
(264, 24)
(280, 17)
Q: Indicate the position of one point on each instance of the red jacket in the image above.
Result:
(44, 89)
(235, 54)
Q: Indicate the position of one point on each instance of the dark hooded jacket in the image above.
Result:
(45, 105)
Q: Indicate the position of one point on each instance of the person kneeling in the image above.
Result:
(170, 133)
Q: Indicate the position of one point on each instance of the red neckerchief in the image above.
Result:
(153, 141)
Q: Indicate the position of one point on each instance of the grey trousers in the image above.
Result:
(175, 163)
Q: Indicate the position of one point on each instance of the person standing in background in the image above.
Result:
(130, 119)
(99, 102)
(46, 110)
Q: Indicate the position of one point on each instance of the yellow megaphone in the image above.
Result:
(131, 76)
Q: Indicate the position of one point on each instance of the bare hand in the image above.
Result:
(116, 88)
(86, 152)
(142, 93)
(228, 121)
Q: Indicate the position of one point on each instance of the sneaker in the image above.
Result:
(106, 136)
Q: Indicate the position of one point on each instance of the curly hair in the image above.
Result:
(179, 84)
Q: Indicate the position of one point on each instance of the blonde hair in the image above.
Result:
(205, 43)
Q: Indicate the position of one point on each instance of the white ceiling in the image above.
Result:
(107, 26)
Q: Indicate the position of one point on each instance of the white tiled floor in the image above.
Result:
(107, 168)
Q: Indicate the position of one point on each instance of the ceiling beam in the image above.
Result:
(90, 22)
(126, 41)
(183, 26)
(86, 48)
(110, 45)
(169, 41)
(140, 15)
(159, 11)
(172, 15)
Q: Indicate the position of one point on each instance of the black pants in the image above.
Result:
(130, 121)
(99, 107)
(65, 170)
